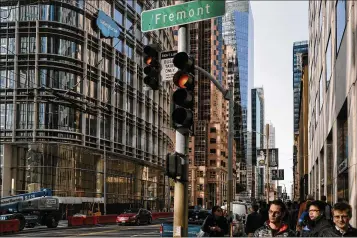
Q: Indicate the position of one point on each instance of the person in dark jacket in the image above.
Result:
(263, 211)
(318, 225)
(254, 221)
(275, 226)
(215, 224)
(342, 214)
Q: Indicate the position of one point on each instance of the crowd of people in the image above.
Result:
(311, 218)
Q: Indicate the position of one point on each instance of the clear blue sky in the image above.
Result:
(277, 24)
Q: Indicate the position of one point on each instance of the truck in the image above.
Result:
(31, 209)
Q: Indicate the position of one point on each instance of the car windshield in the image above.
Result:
(132, 211)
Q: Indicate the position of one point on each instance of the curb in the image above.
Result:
(73, 227)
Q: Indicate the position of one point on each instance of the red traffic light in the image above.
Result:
(183, 80)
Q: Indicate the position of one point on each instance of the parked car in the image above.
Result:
(135, 216)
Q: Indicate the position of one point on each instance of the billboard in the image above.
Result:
(273, 157)
(277, 174)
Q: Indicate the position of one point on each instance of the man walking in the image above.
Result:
(342, 214)
(253, 221)
(275, 226)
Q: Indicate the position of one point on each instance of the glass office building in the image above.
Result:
(67, 95)
(298, 48)
(238, 31)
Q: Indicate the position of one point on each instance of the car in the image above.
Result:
(135, 216)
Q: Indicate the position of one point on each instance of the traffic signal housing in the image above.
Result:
(174, 166)
(183, 98)
(153, 67)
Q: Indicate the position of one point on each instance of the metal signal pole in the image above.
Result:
(181, 187)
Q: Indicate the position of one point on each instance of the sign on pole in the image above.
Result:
(181, 14)
(273, 157)
(168, 69)
(277, 174)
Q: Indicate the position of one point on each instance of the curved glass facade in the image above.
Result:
(67, 94)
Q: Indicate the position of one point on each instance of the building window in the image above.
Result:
(340, 22)
(212, 174)
(328, 62)
(212, 151)
(129, 51)
(138, 7)
(199, 174)
(212, 140)
(118, 44)
(213, 130)
(212, 163)
(129, 24)
(118, 16)
(199, 187)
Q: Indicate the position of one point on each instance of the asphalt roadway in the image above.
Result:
(152, 230)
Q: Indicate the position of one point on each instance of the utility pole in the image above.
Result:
(181, 187)
(267, 164)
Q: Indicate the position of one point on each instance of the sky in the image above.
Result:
(277, 24)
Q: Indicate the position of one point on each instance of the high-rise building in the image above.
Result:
(238, 32)
(271, 136)
(332, 123)
(257, 136)
(258, 122)
(208, 148)
(67, 95)
(299, 48)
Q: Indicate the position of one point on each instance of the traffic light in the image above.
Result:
(153, 68)
(183, 97)
(174, 166)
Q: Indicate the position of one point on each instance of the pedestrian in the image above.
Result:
(215, 225)
(342, 214)
(263, 211)
(303, 205)
(254, 221)
(318, 224)
(304, 221)
(328, 208)
(275, 226)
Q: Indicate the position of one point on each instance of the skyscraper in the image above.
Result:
(299, 47)
(238, 32)
(257, 135)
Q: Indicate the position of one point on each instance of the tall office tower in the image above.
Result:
(67, 95)
(257, 135)
(299, 48)
(271, 136)
(238, 32)
(208, 149)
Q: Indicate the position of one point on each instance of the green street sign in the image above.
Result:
(181, 14)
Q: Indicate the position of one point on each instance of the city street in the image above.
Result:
(152, 230)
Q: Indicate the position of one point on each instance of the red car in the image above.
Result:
(135, 216)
